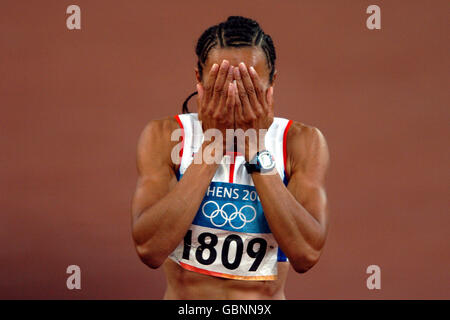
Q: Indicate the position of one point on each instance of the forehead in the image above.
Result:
(251, 56)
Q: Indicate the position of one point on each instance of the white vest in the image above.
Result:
(229, 236)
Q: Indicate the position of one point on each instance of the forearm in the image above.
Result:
(161, 227)
(297, 232)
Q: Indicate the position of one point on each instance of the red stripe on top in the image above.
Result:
(182, 136)
(233, 155)
(285, 143)
(230, 180)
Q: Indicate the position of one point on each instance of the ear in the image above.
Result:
(197, 75)
(274, 76)
(269, 97)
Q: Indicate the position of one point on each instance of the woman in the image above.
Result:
(228, 229)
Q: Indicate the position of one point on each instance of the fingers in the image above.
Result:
(220, 93)
(257, 84)
(230, 99)
(238, 111)
(243, 96)
(222, 107)
(209, 83)
(208, 90)
(219, 90)
(249, 88)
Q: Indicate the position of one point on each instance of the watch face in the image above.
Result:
(265, 160)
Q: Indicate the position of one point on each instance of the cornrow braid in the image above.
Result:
(236, 31)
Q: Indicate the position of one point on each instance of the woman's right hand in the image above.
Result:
(216, 100)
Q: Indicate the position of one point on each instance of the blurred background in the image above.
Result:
(74, 102)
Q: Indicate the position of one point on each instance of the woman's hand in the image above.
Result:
(254, 109)
(216, 100)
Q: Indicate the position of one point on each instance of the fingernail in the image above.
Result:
(224, 63)
(214, 67)
(252, 70)
(242, 65)
(230, 70)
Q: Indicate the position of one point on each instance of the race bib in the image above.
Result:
(229, 236)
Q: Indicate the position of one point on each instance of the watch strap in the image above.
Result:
(254, 165)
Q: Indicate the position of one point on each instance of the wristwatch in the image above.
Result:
(262, 162)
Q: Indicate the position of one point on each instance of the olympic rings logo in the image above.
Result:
(219, 217)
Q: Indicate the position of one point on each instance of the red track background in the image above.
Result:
(73, 104)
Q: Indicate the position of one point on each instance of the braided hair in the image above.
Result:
(237, 31)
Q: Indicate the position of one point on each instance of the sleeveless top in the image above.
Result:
(229, 236)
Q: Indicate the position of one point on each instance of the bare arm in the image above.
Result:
(163, 209)
(298, 214)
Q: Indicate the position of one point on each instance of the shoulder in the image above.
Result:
(307, 149)
(300, 134)
(155, 142)
(160, 127)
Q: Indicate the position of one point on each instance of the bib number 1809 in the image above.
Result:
(208, 242)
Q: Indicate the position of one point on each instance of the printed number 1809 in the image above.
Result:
(257, 254)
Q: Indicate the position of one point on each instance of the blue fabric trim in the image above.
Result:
(177, 174)
(285, 179)
(226, 198)
(281, 257)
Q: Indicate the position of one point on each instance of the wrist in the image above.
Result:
(204, 169)
(251, 151)
(253, 147)
(210, 153)
(265, 173)
(263, 162)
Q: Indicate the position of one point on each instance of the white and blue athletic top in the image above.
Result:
(229, 236)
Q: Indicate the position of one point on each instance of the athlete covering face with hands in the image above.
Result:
(229, 229)
(235, 97)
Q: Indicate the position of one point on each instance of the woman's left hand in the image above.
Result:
(254, 109)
